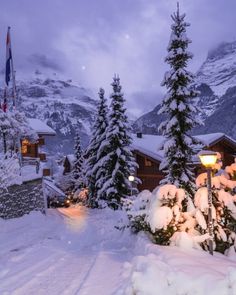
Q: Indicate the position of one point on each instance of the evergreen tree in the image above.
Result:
(180, 107)
(115, 156)
(77, 171)
(92, 153)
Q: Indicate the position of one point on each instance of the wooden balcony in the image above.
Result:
(42, 157)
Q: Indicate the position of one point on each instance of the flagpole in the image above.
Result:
(13, 73)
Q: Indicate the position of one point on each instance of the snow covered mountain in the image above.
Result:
(219, 69)
(60, 103)
(216, 83)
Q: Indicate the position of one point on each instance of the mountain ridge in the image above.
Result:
(62, 104)
(216, 83)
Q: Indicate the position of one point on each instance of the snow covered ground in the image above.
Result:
(78, 251)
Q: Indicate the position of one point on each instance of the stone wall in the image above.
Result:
(21, 199)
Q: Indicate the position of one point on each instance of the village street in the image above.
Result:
(77, 251)
(71, 253)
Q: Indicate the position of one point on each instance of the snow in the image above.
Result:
(172, 271)
(63, 253)
(29, 173)
(49, 185)
(78, 251)
(218, 70)
(40, 127)
(9, 171)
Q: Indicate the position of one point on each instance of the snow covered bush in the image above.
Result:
(224, 207)
(9, 171)
(173, 218)
(170, 212)
(137, 210)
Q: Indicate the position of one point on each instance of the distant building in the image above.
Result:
(149, 154)
(68, 163)
(32, 150)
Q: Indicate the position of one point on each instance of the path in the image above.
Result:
(82, 255)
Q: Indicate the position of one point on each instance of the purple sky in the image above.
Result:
(90, 40)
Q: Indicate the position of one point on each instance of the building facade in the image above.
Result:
(149, 154)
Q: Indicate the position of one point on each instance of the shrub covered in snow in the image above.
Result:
(137, 211)
(224, 206)
(172, 218)
(9, 171)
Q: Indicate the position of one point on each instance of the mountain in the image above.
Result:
(219, 69)
(216, 83)
(63, 105)
(223, 119)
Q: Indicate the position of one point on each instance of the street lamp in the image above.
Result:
(131, 180)
(208, 160)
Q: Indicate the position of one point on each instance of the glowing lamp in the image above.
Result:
(131, 178)
(208, 158)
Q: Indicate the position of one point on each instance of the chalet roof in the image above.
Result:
(40, 127)
(152, 145)
(71, 159)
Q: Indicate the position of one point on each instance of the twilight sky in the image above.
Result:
(90, 40)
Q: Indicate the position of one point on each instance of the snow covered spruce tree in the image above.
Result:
(180, 107)
(77, 171)
(116, 159)
(92, 153)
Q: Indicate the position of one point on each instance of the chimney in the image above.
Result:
(139, 135)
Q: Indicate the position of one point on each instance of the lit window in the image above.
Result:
(24, 146)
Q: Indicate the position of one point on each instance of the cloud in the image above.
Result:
(41, 60)
(91, 40)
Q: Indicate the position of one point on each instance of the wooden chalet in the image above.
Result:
(149, 154)
(33, 150)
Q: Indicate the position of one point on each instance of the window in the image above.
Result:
(147, 162)
(24, 146)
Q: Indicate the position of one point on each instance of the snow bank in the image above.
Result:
(167, 270)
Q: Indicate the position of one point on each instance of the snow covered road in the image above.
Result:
(65, 253)
(76, 251)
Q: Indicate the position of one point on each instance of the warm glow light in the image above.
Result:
(24, 145)
(208, 158)
(131, 178)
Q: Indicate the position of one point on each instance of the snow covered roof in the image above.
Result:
(151, 145)
(71, 159)
(40, 127)
(211, 138)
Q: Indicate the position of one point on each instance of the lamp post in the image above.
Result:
(208, 160)
(131, 180)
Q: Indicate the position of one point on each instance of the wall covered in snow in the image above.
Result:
(21, 199)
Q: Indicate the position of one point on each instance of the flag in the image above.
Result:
(8, 58)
